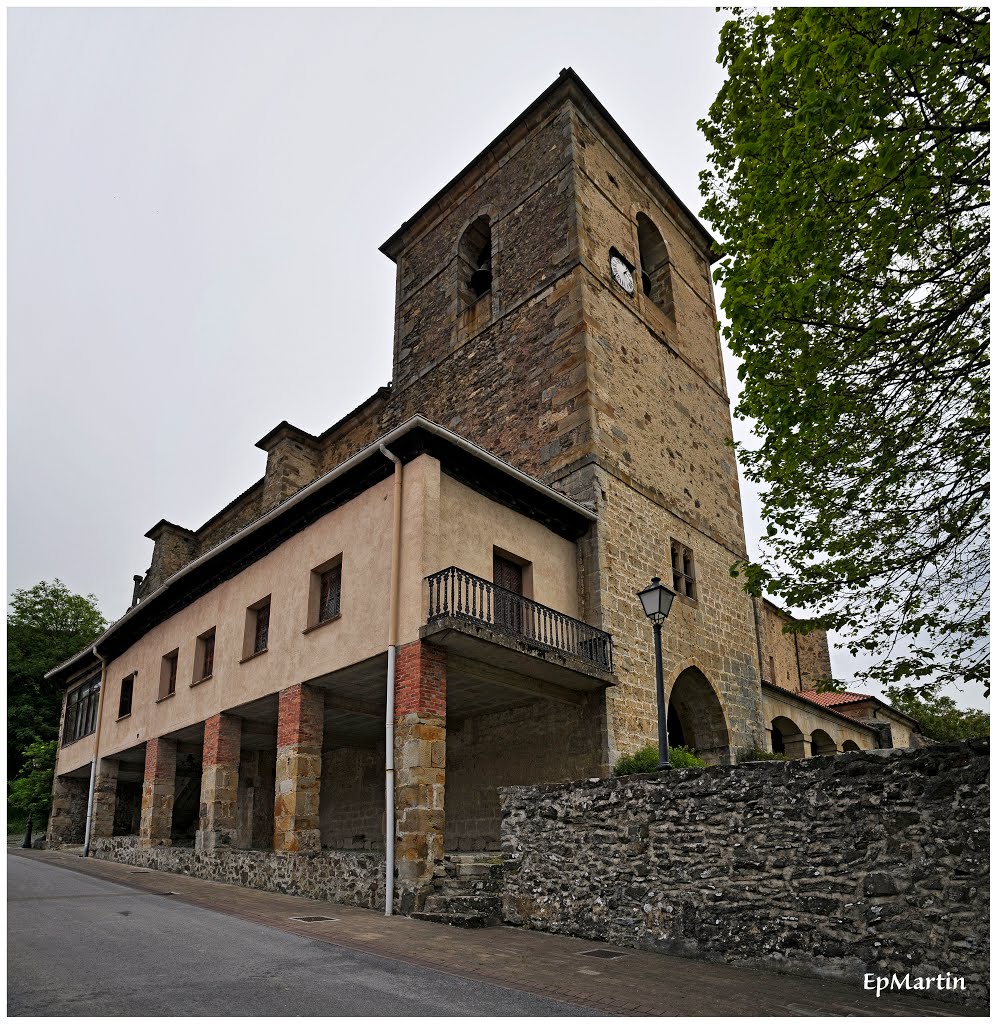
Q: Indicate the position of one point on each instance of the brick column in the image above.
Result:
(299, 769)
(105, 799)
(68, 817)
(217, 825)
(420, 768)
(158, 790)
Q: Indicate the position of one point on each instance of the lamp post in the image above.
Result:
(657, 602)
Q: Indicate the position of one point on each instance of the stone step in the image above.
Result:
(457, 920)
(439, 903)
(477, 883)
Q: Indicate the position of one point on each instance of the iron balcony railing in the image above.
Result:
(456, 594)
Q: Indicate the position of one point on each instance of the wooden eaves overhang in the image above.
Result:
(459, 458)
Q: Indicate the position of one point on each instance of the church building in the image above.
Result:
(436, 596)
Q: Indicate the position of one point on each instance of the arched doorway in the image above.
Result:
(821, 743)
(696, 718)
(787, 737)
(850, 746)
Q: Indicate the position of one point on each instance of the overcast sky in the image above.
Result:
(195, 201)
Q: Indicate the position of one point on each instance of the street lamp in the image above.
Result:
(657, 601)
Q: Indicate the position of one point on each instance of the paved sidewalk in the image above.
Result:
(637, 984)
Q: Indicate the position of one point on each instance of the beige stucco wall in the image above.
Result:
(472, 526)
(443, 523)
(808, 720)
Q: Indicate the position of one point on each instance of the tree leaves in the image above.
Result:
(46, 625)
(849, 177)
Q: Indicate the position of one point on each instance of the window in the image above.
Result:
(655, 267)
(256, 638)
(168, 674)
(330, 585)
(325, 593)
(125, 696)
(261, 638)
(81, 711)
(204, 656)
(683, 571)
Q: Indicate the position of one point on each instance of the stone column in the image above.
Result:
(218, 821)
(68, 817)
(420, 768)
(158, 790)
(299, 769)
(105, 799)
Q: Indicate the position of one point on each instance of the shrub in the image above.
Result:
(761, 755)
(646, 760)
(643, 760)
(684, 757)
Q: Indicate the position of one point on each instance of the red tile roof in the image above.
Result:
(832, 698)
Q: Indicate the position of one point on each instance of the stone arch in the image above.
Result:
(696, 717)
(655, 266)
(822, 743)
(850, 746)
(787, 737)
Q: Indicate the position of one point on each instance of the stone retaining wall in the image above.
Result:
(343, 876)
(831, 866)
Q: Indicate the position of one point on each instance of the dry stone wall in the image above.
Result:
(831, 866)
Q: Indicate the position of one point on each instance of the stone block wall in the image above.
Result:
(537, 742)
(793, 661)
(342, 876)
(68, 818)
(832, 866)
(351, 808)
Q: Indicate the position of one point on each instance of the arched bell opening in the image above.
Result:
(475, 255)
(655, 267)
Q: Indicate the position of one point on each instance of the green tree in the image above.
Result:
(32, 789)
(849, 180)
(46, 625)
(940, 717)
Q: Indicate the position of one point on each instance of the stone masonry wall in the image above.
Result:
(792, 660)
(338, 875)
(830, 866)
(351, 801)
(538, 742)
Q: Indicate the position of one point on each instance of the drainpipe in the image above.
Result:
(389, 703)
(96, 751)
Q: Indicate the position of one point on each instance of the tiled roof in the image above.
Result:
(832, 698)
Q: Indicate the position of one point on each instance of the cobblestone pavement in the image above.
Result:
(636, 984)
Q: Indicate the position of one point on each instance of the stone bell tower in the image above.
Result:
(554, 305)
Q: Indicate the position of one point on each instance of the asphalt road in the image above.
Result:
(82, 946)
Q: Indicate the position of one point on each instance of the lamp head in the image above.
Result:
(657, 600)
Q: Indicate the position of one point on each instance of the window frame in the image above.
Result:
(251, 631)
(168, 670)
(316, 616)
(204, 656)
(80, 718)
(130, 681)
(685, 580)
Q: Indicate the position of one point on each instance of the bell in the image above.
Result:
(481, 281)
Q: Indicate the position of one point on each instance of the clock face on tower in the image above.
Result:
(622, 274)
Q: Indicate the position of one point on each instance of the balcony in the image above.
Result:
(557, 647)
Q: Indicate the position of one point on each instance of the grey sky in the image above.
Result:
(195, 201)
